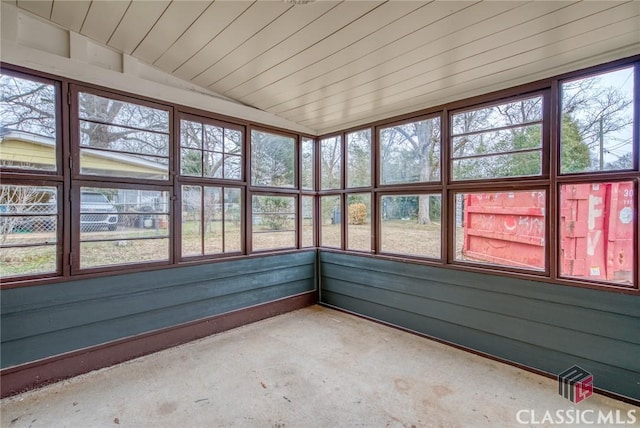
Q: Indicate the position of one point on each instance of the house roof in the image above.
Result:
(329, 65)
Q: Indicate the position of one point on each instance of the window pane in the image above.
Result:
(123, 226)
(597, 122)
(213, 230)
(411, 225)
(121, 139)
(274, 222)
(359, 226)
(307, 221)
(501, 228)
(410, 153)
(331, 163)
(232, 220)
(307, 164)
(507, 165)
(331, 211)
(191, 221)
(272, 160)
(28, 123)
(211, 221)
(359, 158)
(597, 222)
(498, 141)
(210, 151)
(28, 230)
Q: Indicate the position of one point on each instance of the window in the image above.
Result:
(272, 160)
(359, 159)
(597, 231)
(501, 228)
(307, 164)
(122, 225)
(211, 151)
(308, 221)
(331, 163)
(28, 226)
(411, 225)
(498, 141)
(273, 222)
(122, 139)
(359, 221)
(28, 124)
(331, 220)
(597, 122)
(211, 220)
(410, 152)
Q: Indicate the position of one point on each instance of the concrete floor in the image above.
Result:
(315, 367)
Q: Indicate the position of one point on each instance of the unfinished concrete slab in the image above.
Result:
(315, 367)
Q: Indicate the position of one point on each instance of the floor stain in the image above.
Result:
(442, 390)
(167, 408)
(402, 385)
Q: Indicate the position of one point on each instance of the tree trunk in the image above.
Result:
(423, 131)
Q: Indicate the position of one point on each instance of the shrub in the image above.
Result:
(357, 213)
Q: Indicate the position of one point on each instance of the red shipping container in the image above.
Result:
(596, 230)
(505, 228)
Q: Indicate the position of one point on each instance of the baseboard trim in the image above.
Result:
(17, 379)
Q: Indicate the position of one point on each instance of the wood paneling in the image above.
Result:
(332, 65)
(546, 327)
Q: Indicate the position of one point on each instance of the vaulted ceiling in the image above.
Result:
(330, 65)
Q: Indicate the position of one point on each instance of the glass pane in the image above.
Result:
(507, 165)
(273, 222)
(191, 134)
(498, 141)
(23, 261)
(331, 163)
(28, 123)
(597, 240)
(98, 162)
(212, 164)
(123, 252)
(106, 110)
(232, 141)
(411, 225)
(359, 158)
(232, 220)
(191, 221)
(272, 160)
(232, 167)
(501, 228)
(359, 226)
(121, 139)
(191, 162)
(123, 226)
(307, 221)
(29, 220)
(213, 138)
(597, 122)
(117, 139)
(307, 165)
(410, 153)
(213, 220)
(331, 212)
(498, 116)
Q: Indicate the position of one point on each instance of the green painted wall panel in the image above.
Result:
(47, 320)
(545, 326)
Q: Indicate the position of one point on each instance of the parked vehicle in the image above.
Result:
(97, 212)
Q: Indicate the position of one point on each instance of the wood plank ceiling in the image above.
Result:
(331, 65)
